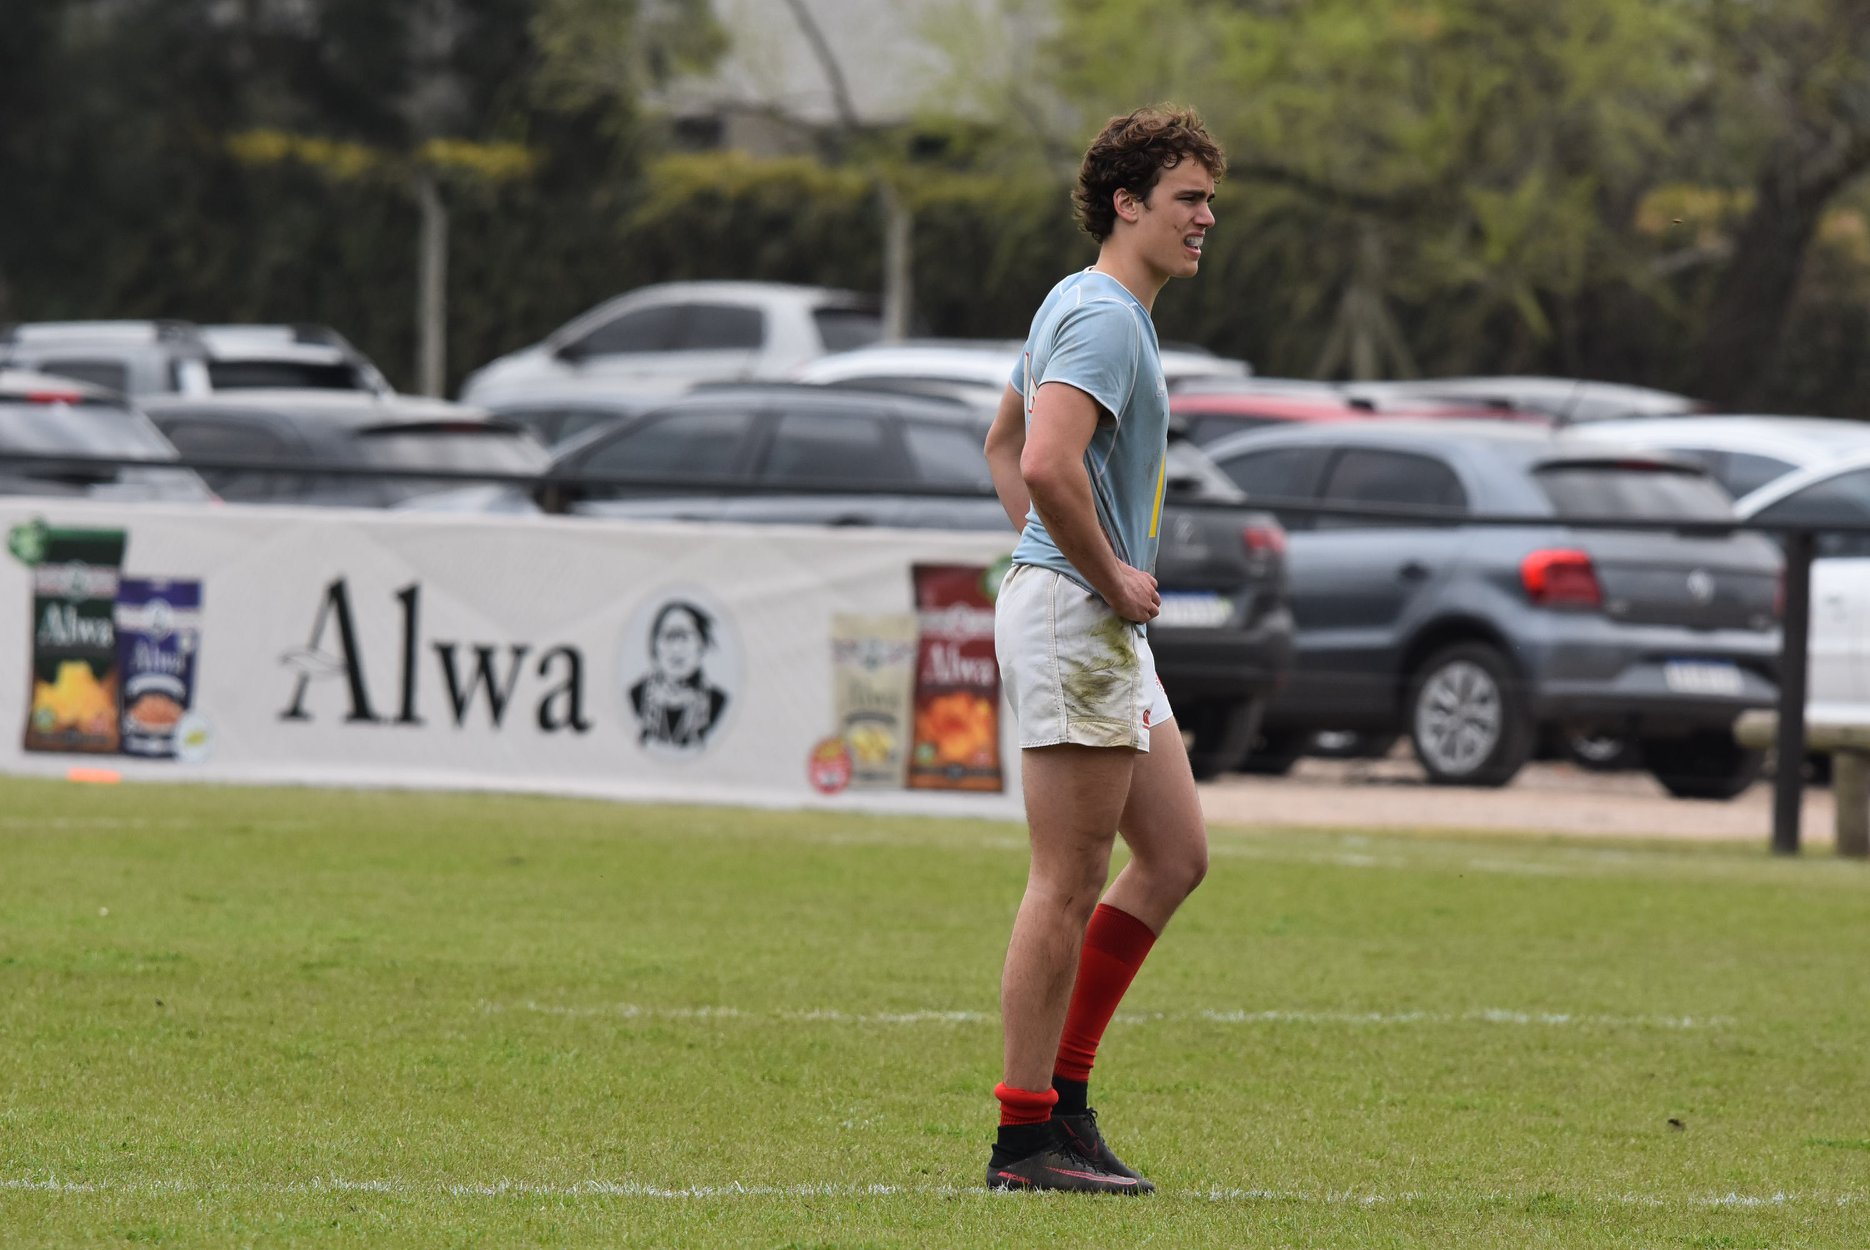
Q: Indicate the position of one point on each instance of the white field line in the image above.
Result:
(636, 1189)
(1544, 1019)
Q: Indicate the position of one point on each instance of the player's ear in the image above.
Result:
(1127, 205)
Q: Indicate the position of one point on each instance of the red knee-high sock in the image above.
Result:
(1115, 944)
(1024, 1106)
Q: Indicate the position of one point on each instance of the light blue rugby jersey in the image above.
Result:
(1092, 333)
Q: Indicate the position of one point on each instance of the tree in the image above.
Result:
(1502, 159)
(1795, 105)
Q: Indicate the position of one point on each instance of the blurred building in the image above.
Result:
(772, 94)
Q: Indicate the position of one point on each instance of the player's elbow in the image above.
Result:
(1004, 443)
(1044, 472)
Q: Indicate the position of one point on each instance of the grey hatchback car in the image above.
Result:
(1472, 639)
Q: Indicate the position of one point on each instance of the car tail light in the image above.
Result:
(1264, 540)
(1561, 578)
(54, 397)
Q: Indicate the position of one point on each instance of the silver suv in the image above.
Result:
(147, 358)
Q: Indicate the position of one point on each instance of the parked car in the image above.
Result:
(666, 338)
(940, 365)
(819, 455)
(43, 415)
(1471, 640)
(1211, 412)
(1742, 452)
(1560, 400)
(1838, 646)
(292, 429)
(555, 417)
(146, 358)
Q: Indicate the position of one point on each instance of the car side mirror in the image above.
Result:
(571, 352)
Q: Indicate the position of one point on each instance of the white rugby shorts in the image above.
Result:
(1073, 670)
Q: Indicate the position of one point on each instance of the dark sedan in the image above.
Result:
(848, 456)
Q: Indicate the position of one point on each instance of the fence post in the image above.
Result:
(1789, 745)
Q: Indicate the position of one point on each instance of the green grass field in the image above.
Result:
(291, 1017)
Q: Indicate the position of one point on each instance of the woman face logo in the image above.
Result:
(684, 668)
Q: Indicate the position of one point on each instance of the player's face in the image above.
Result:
(1175, 219)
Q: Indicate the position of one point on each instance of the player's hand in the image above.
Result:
(1134, 597)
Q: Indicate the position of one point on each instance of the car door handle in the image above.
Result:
(1412, 571)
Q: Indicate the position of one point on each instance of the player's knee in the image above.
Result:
(1197, 869)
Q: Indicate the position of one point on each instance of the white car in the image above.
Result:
(148, 358)
(983, 366)
(1742, 453)
(1837, 493)
(665, 339)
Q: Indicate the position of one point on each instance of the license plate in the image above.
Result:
(1701, 677)
(1195, 609)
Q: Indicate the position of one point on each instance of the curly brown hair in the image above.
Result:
(1130, 155)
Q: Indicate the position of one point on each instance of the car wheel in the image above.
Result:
(1601, 752)
(1467, 717)
(1218, 735)
(1704, 765)
(1274, 754)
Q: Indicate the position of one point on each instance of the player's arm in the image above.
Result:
(1006, 439)
(1052, 467)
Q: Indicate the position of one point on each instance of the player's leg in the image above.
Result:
(1075, 796)
(1163, 826)
(1075, 679)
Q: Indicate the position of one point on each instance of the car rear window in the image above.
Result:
(94, 428)
(845, 328)
(1634, 490)
(240, 375)
(1193, 475)
(456, 446)
(91, 428)
(114, 374)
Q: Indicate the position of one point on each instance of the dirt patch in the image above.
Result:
(1545, 798)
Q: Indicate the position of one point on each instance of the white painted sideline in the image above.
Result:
(635, 1189)
(1488, 1015)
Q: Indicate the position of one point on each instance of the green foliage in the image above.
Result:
(1664, 191)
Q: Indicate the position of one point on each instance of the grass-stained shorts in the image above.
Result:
(1073, 670)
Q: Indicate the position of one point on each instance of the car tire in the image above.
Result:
(1275, 753)
(1600, 752)
(1219, 734)
(1468, 720)
(1707, 764)
(1351, 745)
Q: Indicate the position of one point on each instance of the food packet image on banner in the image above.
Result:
(158, 643)
(873, 671)
(74, 707)
(957, 691)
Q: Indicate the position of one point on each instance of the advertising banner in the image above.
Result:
(767, 665)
